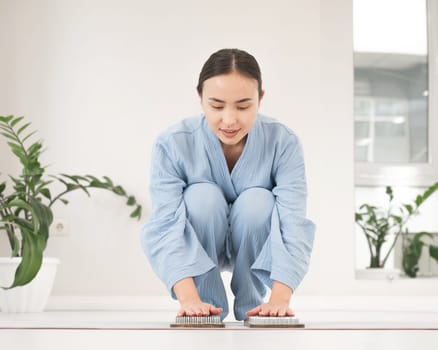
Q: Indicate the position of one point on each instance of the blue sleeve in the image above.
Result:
(293, 245)
(286, 255)
(167, 238)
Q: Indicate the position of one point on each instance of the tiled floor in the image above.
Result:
(140, 330)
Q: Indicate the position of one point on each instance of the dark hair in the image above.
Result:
(228, 60)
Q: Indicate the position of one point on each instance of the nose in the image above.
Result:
(228, 117)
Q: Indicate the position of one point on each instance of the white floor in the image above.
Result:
(134, 330)
(211, 340)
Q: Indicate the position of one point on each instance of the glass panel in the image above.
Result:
(390, 81)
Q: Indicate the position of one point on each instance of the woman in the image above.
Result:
(228, 191)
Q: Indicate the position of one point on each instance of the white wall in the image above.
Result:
(100, 79)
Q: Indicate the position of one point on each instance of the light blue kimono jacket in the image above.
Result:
(190, 153)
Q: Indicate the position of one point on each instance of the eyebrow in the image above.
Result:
(239, 101)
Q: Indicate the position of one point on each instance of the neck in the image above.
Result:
(230, 149)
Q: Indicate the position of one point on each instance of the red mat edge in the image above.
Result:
(229, 329)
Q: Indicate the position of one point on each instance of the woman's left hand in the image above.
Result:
(278, 304)
(272, 308)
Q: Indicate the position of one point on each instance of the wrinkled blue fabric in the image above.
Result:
(189, 153)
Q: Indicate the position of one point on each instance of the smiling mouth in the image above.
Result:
(229, 132)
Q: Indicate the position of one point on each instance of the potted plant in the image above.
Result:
(413, 249)
(26, 214)
(381, 225)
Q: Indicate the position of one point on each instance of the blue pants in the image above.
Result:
(233, 235)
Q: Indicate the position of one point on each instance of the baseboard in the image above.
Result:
(367, 303)
(128, 303)
(299, 303)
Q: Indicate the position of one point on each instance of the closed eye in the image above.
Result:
(239, 108)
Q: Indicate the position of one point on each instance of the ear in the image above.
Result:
(200, 97)
(262, 93)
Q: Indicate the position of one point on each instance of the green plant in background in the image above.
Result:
(412, 251)
(379, 224)
(26, 212)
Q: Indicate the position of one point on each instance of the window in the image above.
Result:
(396, 92)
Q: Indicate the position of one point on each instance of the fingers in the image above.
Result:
(279, 312)
(289, 312)
(198, 309)
(204, 309)
(255, 311)
(181, 312)
(215, 310)
(270, 310)
(192, 313)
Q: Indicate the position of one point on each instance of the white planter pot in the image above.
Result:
(376, 273)
(31, 297)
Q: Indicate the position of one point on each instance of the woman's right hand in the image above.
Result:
(191, 303)
(198, 308)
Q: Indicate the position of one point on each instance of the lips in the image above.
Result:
(229, 132)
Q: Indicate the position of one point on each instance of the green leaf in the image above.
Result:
(419, 235)
(433, 252)
(136, 213)
(32, 133)
(32, 257)
(18, 203)
(46, 193)
(408, 208)
(389, 193)
(71, 186)
(119, 191)
(397, 219)
(418, 200)
(429, 191)
(43, 184)
(15, 246)
(22, 128)
(9, 136)
(92, 177)
(34, 150)
(109, 181)
(44, 214)
(65, 201)
(18, 151)
(412, 253)
(7, 119)
(7, 128)
(81, 178)
(71, 177)
(98, 184)
(368, 207)
(2, 187)
(411, 256)
(16, 120)
(17, 147)
(131, 200)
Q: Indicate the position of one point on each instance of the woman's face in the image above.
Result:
(230, 103)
